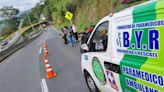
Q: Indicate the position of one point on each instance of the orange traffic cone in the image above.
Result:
(45, 49)
(44, 45)
(45, 57)
(46, 61)
(46, 52)
(44, 42)
(50, 72)
(48, 65)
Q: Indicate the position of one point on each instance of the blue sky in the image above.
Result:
(21, 4)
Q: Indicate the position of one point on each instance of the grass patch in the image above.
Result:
(87, 13)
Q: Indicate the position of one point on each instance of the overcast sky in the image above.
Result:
(21, 4)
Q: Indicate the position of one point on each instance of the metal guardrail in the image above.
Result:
(4, 54)
(20, 31)
(10, 44)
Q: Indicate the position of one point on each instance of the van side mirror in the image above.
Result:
(84, 48)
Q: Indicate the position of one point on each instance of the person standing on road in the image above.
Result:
(65, 32)
(75, 32)
(71, 37)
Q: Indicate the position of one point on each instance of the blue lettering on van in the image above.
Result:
(138, 36)
(86, 57)
(147, 24)
(126, 41)
(119, 40)
(153, 40)
(139, 53)
(142, 75)
(138, 86)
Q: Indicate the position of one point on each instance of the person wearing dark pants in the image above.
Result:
(76, 36)
(65, 39)
(65, 32)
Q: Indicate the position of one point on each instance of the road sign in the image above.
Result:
(69, 15)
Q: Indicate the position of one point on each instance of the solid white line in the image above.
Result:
(42, 87)
(45, 87)
(40, 50)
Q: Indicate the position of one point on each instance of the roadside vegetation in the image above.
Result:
(10, 22)
(33, 16)
(86, 12)
(12, 19)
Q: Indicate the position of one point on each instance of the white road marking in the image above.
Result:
(40, 50)
(44, 86)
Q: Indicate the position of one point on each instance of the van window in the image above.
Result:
(99, 40)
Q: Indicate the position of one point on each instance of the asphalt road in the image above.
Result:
(24, 70)
(20, 72)
(65, 61)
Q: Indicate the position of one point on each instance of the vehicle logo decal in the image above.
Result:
(111, 80)
(98, 71)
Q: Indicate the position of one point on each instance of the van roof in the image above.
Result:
(141, 4)
(127, 12)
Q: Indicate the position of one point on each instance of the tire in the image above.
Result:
(90, 83)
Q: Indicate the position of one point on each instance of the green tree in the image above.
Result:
(34, 15)
(9, 14)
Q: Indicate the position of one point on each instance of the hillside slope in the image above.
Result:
(91, 12)
(86, 12)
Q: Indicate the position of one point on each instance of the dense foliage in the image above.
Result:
(86, 12)
(11, 21)
(11, 26)
(33, 16)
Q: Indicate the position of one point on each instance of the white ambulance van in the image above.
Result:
(125, 52)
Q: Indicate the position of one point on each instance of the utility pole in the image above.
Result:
(29, 19)
(30, 22)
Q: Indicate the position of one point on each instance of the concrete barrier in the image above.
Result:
(4, 54)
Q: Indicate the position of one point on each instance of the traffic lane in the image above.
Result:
(46, 36)
(20, 71)
(65, 61)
